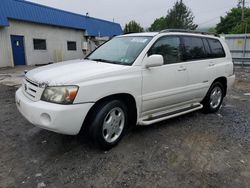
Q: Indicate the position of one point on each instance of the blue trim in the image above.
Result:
(36, 13)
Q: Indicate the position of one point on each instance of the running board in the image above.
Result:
(156, 119)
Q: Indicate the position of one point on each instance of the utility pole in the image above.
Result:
(243, 10)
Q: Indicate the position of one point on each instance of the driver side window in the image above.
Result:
(169, 47)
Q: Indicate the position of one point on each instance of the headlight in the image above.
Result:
(60, 94)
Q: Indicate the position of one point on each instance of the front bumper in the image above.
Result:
(64, 119)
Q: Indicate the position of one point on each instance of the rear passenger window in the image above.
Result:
(169, 48)
(216, 48)
(207, 48)
(193, 48)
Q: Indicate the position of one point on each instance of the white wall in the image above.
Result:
(5, 48)
(56, 40)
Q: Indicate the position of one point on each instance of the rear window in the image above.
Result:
(216, 48)
(193, 48)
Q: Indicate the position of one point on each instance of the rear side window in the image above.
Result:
(193, 48)
(216, 48)
(169, 48)
(207, 47)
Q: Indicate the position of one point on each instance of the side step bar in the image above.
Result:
(156, 119)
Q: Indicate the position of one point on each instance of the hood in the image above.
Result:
(72, 72)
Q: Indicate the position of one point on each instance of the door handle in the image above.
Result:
(182, 68)
(211, 64)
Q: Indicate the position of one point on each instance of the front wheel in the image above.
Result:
(214, 98)
(108, 124)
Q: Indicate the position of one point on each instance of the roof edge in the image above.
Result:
(65, 11)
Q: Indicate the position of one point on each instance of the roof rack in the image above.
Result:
(188, 31)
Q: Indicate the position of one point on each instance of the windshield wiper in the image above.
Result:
(105, 61)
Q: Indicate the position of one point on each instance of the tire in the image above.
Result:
(214, 98)
(108, 123)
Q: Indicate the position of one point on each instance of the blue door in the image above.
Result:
(18, 49)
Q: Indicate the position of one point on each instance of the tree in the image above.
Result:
(232, 24)
(179, 17)
(133, 27)
(159, 24)
(212, 30)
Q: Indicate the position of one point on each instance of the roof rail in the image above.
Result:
(188, 31)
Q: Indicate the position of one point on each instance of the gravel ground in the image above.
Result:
(195, 150)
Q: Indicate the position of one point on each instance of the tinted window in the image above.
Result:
(207, 48)
(71, 46)
(39, 44)
(216, 48)
(193, 48)
(169, 48)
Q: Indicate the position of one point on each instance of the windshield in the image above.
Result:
(120, 50)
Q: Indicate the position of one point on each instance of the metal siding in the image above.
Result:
(56, 44)
(5, 49)
(239, 46)
(27, 11)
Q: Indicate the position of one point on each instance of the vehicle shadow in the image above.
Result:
(50, 143)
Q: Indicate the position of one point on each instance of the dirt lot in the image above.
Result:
(195, 150)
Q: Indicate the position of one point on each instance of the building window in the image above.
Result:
(71, 46)
(39, 44)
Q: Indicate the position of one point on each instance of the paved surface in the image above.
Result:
(13, 76)
(195, 150)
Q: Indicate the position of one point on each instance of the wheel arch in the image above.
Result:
(223, 81)
(129, 101)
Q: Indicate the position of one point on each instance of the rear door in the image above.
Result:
(195, 54)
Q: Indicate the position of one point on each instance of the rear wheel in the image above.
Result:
(214, 98)
(108, 123)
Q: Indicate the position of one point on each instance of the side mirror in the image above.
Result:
(153, 61)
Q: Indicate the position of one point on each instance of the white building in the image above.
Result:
(33, 34)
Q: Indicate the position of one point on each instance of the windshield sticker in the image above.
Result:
(124, 60)
(139, 40)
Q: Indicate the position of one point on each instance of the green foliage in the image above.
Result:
(133, 27)
(243, 27)
(179, 17)
(159, 24)
(212, 30)
(232, 24)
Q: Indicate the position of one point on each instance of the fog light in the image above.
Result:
(45, 119)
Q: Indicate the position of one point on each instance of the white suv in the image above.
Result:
(132, 79)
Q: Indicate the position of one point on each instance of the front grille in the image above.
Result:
(32, 90)
(32, 83)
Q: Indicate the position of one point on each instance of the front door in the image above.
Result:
(165, 86)
(18, 49)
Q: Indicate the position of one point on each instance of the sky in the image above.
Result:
(207, 12)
